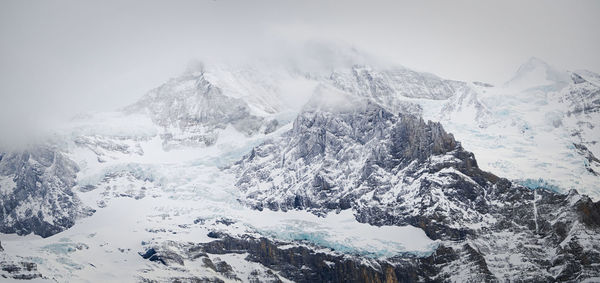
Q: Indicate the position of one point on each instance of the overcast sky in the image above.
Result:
(62, 57)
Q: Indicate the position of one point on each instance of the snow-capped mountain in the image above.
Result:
(340, 156)
(192, 110)
(530, 121)
(330, 173)
(399, 170)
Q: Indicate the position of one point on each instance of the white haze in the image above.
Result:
(60, 58)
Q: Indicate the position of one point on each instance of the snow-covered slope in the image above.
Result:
(539, 128)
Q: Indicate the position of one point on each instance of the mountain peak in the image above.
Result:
(535, 73)
(534, 62)
(194, 67)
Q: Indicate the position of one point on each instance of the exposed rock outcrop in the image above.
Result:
(37, 192)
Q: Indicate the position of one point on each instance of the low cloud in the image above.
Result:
(62, 58)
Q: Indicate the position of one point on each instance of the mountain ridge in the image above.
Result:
(357, 140)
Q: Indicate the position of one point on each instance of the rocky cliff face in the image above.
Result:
(399, 170)
(280, 261)
(582, 96)
(36, 192)
(363, 157)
